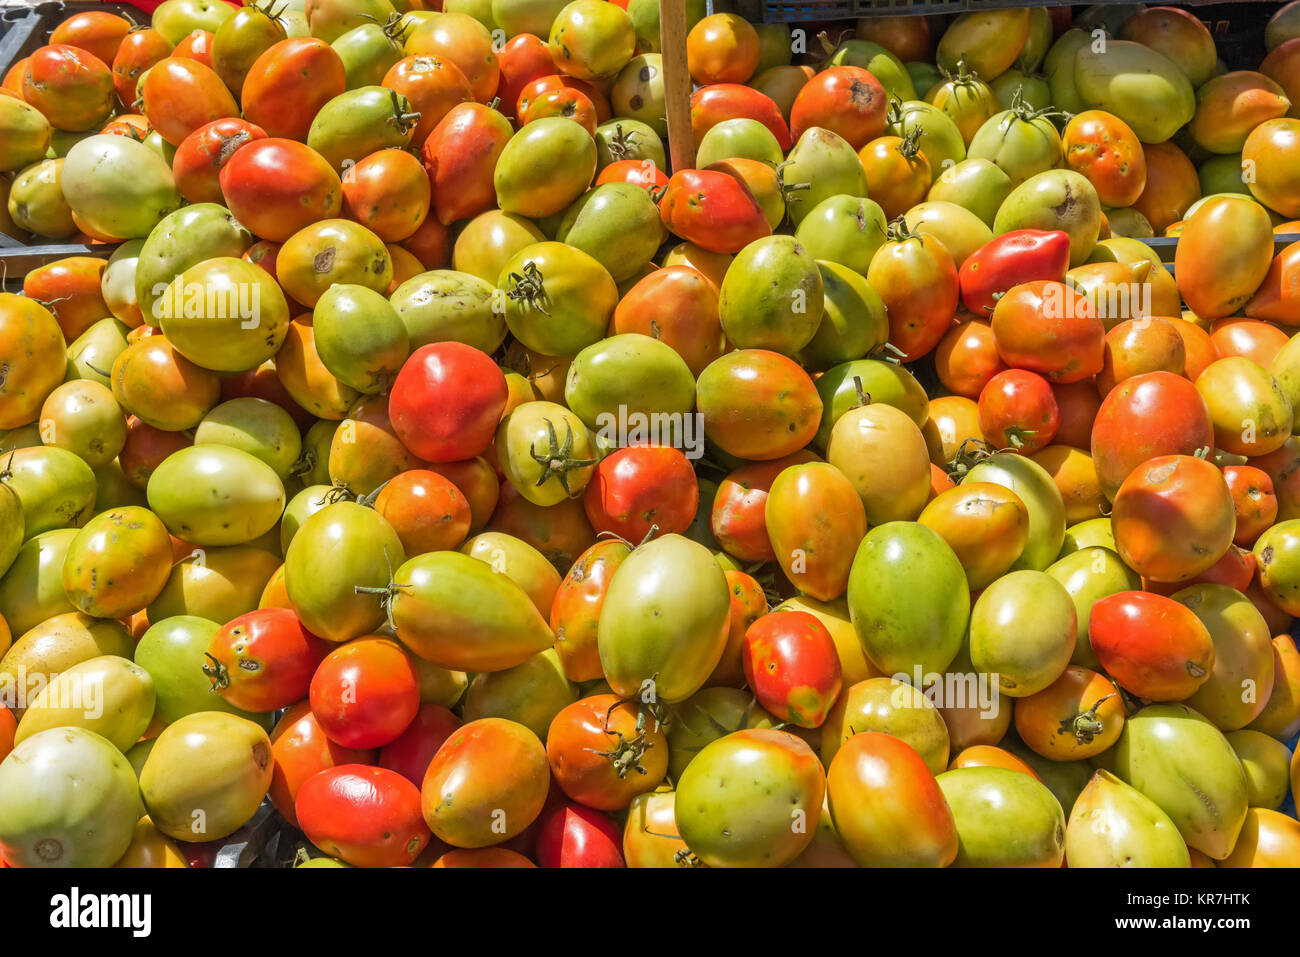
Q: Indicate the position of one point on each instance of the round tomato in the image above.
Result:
(447, 401)
(263, 660)
(368, 817)
(640, 490)
(365, 693)
(604, 751)
(1018, 411)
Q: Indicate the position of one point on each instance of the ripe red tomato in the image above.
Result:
(369, 817)
(1255, 501)
(604, 751)
(409, 755)
(427, 510)
(264, 660)
(524, 58)
(182, 95)
(792, 666)
(300, 749)
(641, 172)
(1018, 411)
(197, 164)
(639, 487)
(571, 835)
(365, 693)
(1151, 645)
(739, 515)
(1046, 327)
(287, 85)
(276, 187)
(713, 210)
(447, 401)
(846, 100)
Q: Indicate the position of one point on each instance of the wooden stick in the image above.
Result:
(677, 83)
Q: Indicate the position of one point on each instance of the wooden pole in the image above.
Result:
(677, 83)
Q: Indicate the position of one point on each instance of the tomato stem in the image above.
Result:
(558, 461)
(217, 673)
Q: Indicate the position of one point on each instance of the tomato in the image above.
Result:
(713, 210)
(917, 280)
(483, 857)
(1270, 150)
(571, 835)
(487, 784)
(154, 382)
(182, 95)
(1223, 255)
(575, 610)
(433, 85)
(678, 306)
(201, 155)
(738, 514)
(1138, 346)
(478, 482)
(986, 525)
(1276, 299)
(722, 48)
(1046, 327)
(1250, 413)
(791, 664)
(7, 726)
(1106, 151)
(638, 172)
(1146, 416)
(1254, 499)
(1015, 258)
(1078, 716)
(300, 749)
(427, 511)
(369, 817)
(862, 441)
(411, 752)
(742, 818)
(603, 752)
(846, 100)
(1018, 411)
(196, 46)
(276, 187)
(638, 487)
(758, 404)
(524, 58)
(117, 564)
(1151, 645)
(446, 402)
(559, 299)
(712, 104)
(967, 356)
(365, 693)
(70, 86)
(465, 42)
(887, 808)
(97, 32)
(988, 756)
(263, 660)
(898, 173)
(288, 84)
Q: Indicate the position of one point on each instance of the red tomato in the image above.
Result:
(603, 751)
(72, 88)
(365, 693)
(1077, 403)
(636, 488)
(917, 280)
(182, 95)
(276, 187)
(523, 59)
(96, 31)
(1151, 645)
(300, 749)
(427, 510)
(138, 51)
(263, 660)
(1046, 327)
(713, 210)
(575, 836)
(447, 401)
(643, 173)
(1018, 411)
(738, 518)
(712, 104)
(145, 449)
(8, 725)
(197, 164)
(846, 100)
(388, 193)
(433, 85)
(967, 357)
(792, 667)
(460, 157)
(1236, 569)
(369, 817)
(409, 755)
(1019, 256)
(430, 244)
(287, 85)
(1255, 501)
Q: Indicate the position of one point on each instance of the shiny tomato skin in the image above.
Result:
(264, 660)
(182, 95)
(1151, 645)
(792, 666)
(739, 515)
(1045, 326)
(369, 817)
(575, 836)
(524, 58)
(1018, 411)
(447, 401)
(276, 187)
(1019, 256)
(409, 755)
(587, 736)
(1255, 500)
(640, 487)
(365, 693)
(289, 83)
(713, 210)
(197, 164)
(300, 749)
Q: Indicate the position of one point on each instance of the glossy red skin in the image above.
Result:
(276, 186)
(639, 487)
(740, 505)
(557, 81)
(427, 510)
(300, 749)
(139, 50)
(411, 753)
(712, 104)
(68, 84)
(269, 659)
(8, 725)
(447, 401)
(567, 102)
(1255, 500)
(1236, 569)
(523, 59)
(1149, 415)
(1151, 645)
(369, 817)
(145, 449)
(1019, 256)
(575, 836)
(713, 210)
(792, 667)
(1251, 339)
(197, 46)
(575, 610)
(182, 95)
(478, 482)
(196, 167)
(96, 31)
(1048, 328)
(917, 279)
(637, 172)
(461, 156)
(365, 693)
(847, 100)
(289, 83)
(1018, 411)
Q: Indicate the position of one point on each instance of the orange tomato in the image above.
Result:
(1077, 716)
(722, 48)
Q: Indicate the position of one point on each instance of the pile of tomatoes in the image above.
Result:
(431, 461)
